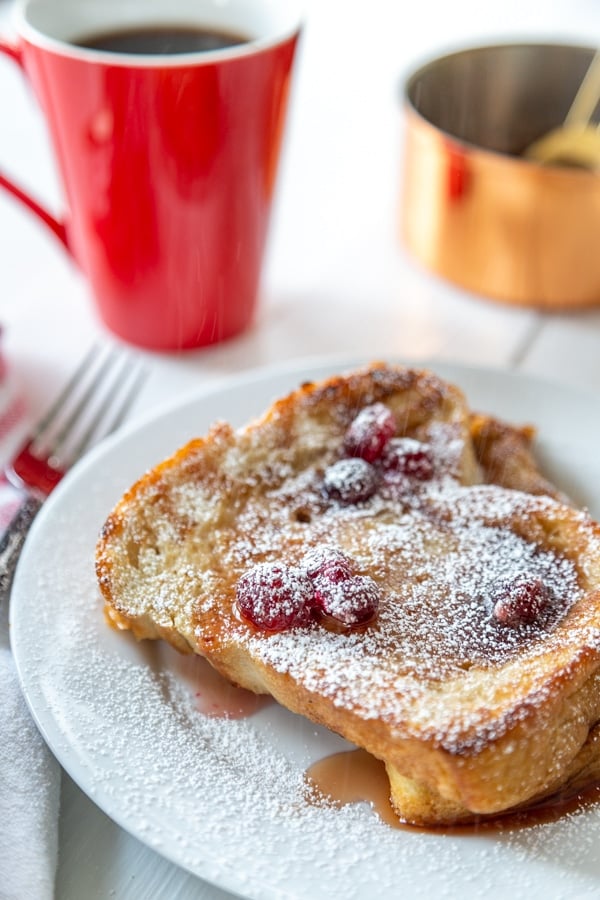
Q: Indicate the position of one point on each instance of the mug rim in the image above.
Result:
(36, 37)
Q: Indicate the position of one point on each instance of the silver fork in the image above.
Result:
(92, 404)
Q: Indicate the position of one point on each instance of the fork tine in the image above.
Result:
(97, 396)
(83, 400)
(66, 392)
(110, 414)
(120, 411)
(91, 405)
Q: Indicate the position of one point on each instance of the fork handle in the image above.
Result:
(13, 540)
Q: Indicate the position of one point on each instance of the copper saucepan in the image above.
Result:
(474, 210)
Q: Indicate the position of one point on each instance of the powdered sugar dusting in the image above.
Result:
(437, 554)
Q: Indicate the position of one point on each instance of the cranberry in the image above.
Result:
(369, 432)
(274, 596)
(406, 456)
(519, 600)
(328, 562)
(352, 601)
(350, 480)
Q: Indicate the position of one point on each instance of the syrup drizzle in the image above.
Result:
(213, 695)
(217, 698)
(354, 776)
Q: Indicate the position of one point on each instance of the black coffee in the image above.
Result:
(162, 40)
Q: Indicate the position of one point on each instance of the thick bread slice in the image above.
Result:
(186, 508)
(470, 717)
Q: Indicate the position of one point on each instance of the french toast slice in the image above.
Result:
(476, 675)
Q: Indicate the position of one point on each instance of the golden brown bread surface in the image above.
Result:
(470, 716)
(505, 454)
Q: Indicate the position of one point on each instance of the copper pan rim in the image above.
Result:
(473, 209)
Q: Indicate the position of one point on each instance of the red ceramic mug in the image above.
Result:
(168, 159)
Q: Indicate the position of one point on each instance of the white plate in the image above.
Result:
(222, 798)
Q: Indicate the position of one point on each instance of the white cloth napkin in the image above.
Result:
(29, 774)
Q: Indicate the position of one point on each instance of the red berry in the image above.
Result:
(350, 480)
(352, 601)
(519, 600)
(274, 596)
(406, 456)
(328, 562)
(370, 431)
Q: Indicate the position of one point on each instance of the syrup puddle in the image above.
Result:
(354, 776)
(213, 695)
(217, 698)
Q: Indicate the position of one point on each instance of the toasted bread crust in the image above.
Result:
(470, 719)
(505, 454)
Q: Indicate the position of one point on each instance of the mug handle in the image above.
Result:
(13, 52)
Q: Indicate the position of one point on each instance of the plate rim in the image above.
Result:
(151, 419)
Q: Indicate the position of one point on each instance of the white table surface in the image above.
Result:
(336, 281)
